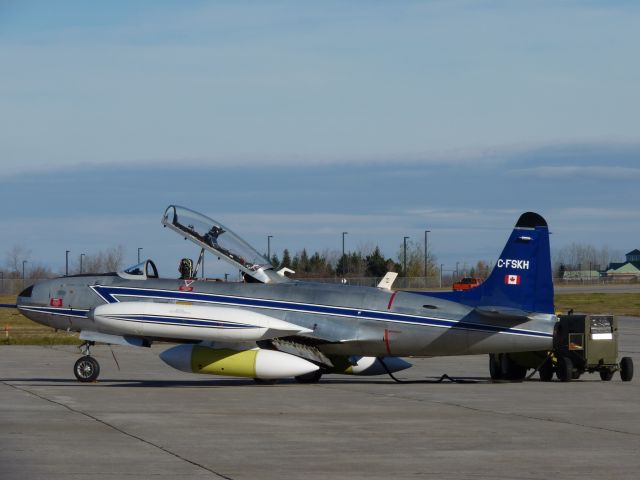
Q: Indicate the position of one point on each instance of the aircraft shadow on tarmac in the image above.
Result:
(241, 382)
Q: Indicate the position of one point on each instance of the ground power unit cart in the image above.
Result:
(582, 343)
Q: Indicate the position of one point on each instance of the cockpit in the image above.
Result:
(216, 238)
(140, 271)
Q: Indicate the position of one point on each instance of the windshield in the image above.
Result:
(141, 271)
(215, 236)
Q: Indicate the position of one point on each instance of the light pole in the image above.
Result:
(344, 261)
(405, 256)
(457, 271)
(269, 237)
(426, 253)
(23, 263)
(81, 255)
(66, 263)
(441, 267)
(139, 249)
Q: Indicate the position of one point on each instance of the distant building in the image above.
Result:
(629, 270)
(633, 256)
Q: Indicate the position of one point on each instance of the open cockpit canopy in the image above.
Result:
(219, 240)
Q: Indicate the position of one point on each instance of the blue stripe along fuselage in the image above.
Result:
(192, 322)
(110, 294)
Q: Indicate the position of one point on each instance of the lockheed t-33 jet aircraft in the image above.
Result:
(270, 326)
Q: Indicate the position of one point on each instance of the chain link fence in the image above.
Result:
(13, 286)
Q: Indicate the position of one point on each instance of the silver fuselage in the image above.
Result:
(346, 320)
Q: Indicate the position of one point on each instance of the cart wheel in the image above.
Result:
(626, 369)
(564, 370)
(606, 375)
(494, 366)
(546, 371)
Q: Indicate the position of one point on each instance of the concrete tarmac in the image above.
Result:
(147, 420)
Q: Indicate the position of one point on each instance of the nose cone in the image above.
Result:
(273, 364)
(178, 357)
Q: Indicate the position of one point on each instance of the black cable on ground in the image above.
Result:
(537, 369)
(440, 380)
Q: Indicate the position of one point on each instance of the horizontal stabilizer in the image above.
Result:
(504, 313)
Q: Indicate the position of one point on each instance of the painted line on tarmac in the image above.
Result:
(119, 430)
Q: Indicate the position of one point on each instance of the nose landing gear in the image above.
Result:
(86, 368)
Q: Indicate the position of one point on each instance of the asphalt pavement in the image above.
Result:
(146, 420)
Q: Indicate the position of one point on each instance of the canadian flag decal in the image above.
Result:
(512, 279)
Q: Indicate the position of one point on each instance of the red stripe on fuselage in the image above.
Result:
(386, 340)
(393, 296)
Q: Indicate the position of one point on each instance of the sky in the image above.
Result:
(302, 120)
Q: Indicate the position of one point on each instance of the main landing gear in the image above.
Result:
(86, 368)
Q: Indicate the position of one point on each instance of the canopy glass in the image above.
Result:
(214, 236)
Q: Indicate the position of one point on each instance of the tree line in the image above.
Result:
(108, 260)
(583, 257)
(366, 261)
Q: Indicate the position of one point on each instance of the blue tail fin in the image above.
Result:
(521, 278)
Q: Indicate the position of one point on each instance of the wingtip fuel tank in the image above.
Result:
(191, 322)
(253, 363)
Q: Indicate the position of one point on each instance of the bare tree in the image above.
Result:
(38, 271)
(109, 260)
(14, 259)
(415, 259)
(578, 256)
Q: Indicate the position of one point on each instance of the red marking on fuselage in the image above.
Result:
(393, 296)
(386, 340)
(55, 302)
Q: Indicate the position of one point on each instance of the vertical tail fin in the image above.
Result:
(521, 278)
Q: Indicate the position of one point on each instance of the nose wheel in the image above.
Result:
(86, 368)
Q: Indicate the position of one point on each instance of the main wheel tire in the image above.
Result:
(511, 370)
(564, 370)
(495, 369)
(86, 369)
(313, 377)
(606, 375)
(626, 369)
(546, 371)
